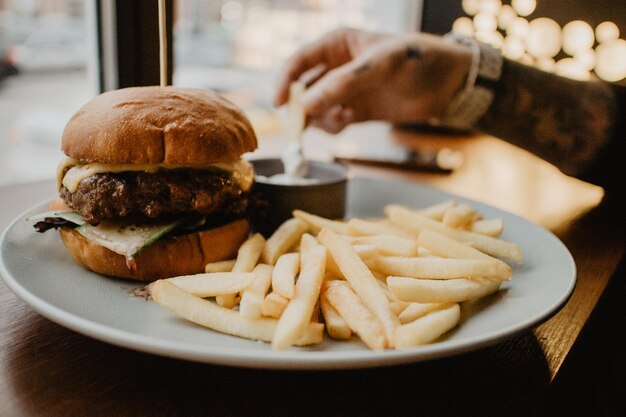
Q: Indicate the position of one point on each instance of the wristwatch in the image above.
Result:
(473, 101)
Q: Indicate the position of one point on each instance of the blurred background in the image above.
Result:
(57, 54)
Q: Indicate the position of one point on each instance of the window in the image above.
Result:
(57, 54)
(46, 73)
(237, 46)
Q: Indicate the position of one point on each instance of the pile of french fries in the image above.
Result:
(394, 282)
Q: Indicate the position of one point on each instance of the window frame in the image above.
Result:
(128, 43)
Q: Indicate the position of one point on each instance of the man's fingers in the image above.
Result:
(307, 78)
(335, 120)
(329, 51)
(292, 70)
(335, 87)
(311, 75)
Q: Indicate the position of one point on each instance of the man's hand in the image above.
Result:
(356, 76)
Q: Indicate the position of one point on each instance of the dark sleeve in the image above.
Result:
(575, 125)
(609, 169)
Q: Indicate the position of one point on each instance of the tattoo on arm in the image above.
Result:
(413, 52)
(564, 121)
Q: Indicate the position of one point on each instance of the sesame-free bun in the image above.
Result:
(176, 255)
(147, 125)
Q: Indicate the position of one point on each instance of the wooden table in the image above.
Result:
(46, 370)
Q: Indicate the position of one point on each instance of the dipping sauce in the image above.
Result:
(323, 193)
(295, 166)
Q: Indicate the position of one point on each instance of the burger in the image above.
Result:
(154, 184)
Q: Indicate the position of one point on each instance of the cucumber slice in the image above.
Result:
(127, 240)
(71, 216)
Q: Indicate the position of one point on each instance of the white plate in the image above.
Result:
(39, 270)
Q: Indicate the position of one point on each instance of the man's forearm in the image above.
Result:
(564, 121)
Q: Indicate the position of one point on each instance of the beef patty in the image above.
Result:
(144, 197)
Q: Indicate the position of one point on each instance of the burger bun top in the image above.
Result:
(151, 125)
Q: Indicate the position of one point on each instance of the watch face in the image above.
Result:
(490, 65)
(473, 101)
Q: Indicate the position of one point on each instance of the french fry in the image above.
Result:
(220, 266)
(317, 223)
(283, 238)
(397, 306)
(361, 280)
(332, 268)
(329, 276)
(336, 326)
(247, 256)
(358, 317)
(428, 328)
(448, 247)
(296, 114)
(392, 245)
(213, 284)
(360, 227)
(437, 211)
(416, 310)
(307, 242)
(208, 314)
(294, 319)
(415, 222)
(249, 253)
(274, 305)
(442, 268)
(253, 295)
(365, 251)
(380, 277)
(284, 275)
(315, 316)
(441, 291)
(458, 216)
(395, 282)
(423, 252)
(489, 227)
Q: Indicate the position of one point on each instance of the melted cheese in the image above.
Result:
(65, 164)
(241, 171)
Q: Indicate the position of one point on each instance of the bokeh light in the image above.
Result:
(485, 22)
(492, 38)
(540, 41)
(513, 48)
(463, 26)
(577, 36)
(524, 7)
(471, 7)
(490, 6)
(568, 67)
(546, 64)
(606, 31)
(506, 16)
(518, 28)
(544, 38)
(611, 60)
(587, 59)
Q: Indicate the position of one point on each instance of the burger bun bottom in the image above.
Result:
(173, 256)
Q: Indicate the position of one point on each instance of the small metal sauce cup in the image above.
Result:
(325, 197)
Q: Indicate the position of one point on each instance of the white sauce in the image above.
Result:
(295, 166)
